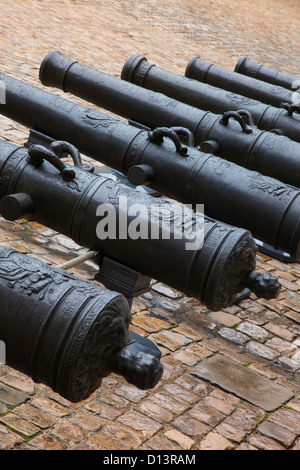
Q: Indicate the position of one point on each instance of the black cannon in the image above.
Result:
(100, 214)
(206, 97)
(205, 72)
(213, 98)
(250, 68)
(229, 136)
(67, 333)
(266, 207)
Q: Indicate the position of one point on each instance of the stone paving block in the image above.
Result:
(131, 392)
(225, 319)
(117, 402)
(159, 442)
(19, 425)
(283, 347)
(278, 433)
(169, 339)
(171, 403)
(219, 404)
(3, 409)
(243, 382)
(246, 417)
(35, 416)
(9, 439)
(264, 443)
(140, 422)
(292, 315)
(179, 393)
(50, 407)
(87, 421)
(289, 364)
(296, 445)
(10, 396)
(189, 331)
(206, 414)
(47, 442)
(151, 322)
(231, 432)
(124, 433)
(227, 398)
(166, 290)
(233, 335)
(262, 350)
(284, 333)
(186, 357)
(288, 418)
(193, 384)
(25, 385)
(254, 331)
(191, 426)
(296, 356)
(292, 304)
(245, 446)
(182, 440)
(152, 409)
(215, 441)
(199, 350)
(172, 368)
(69, 433)
(294, 404)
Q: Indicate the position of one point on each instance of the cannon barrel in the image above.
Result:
(253, 69)
(64, 332)
(228, 136)
(210, 98)
(266, 207)
(205, 72)
(100, 214)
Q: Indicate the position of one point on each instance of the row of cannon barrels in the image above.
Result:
(205, 139)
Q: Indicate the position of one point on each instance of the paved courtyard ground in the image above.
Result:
(231, 378)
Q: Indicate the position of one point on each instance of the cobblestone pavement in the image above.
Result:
(231, 378)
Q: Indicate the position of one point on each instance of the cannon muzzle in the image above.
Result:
(205, 72)
(250, 68)
(67, 333)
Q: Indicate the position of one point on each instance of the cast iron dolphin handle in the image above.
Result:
(291, 108)
(56, 150)
(60, 147)
(38, 153)
(240, 117)
(157, 136)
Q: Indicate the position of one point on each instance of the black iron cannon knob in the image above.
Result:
(140, 369)
(263, 285)
(209, 146)
(16, 206)
(140, 174)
